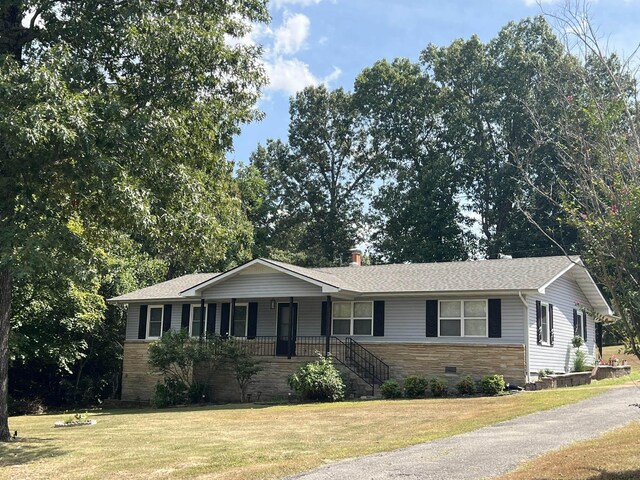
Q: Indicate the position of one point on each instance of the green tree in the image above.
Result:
(598, 139)
(489, 129)
(415, 212)
(111, 115)
(316, 183)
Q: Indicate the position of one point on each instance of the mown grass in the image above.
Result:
(251, 441)
(613, 456)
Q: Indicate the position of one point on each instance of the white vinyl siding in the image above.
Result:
(265, 285)
(565, 296)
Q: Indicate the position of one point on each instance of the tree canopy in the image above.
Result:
(115, 116)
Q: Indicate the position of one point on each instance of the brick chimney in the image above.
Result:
(356, 257)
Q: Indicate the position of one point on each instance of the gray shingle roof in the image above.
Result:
(483, 275)
(169, 289)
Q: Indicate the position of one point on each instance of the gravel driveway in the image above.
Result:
(494, 450)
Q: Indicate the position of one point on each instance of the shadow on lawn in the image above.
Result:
(187, 408)
(628, 475)
(26, 450)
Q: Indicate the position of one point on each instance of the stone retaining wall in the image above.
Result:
(606, 371)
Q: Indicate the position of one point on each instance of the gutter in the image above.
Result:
(526, 337)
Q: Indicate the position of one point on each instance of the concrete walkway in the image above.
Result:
(494, 450)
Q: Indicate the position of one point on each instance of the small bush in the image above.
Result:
(577, 341)
(415, 386)
(391, 389)
(580, 362)
(438, 387)
(545, 372)
(318, 381)
(492, 384)
(197, 393)
(466, 386)
(171, 392)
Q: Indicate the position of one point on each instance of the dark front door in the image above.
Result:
(284, 324)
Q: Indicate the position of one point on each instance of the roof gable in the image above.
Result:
(327, 282)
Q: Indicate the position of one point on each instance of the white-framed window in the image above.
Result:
(240, 318)
(544, 323)
(352, 318)
(579, 323)
(194, 324)
(155, 314)
(463, 318)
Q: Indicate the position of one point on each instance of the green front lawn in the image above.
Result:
(250, 441)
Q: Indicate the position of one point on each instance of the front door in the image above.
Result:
(282, 343)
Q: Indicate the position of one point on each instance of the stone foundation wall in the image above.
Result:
(269, 384)
(138, 383)
(404, 359)
(428, 360)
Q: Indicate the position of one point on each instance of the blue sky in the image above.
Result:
(310, 42)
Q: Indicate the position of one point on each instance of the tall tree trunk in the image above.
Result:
(5, 315)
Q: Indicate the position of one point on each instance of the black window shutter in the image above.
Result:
(551, 332)
(166, 317)
(575, 322)
(252, 326)
(584, 326)
(225, 312)
(432, 318)
(142, 323)
(495, 318)
(378, 318)
(186, 315)
(211, 319)
(539, 321)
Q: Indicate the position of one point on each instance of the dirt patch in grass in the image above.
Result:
(614, 456)
(250, 441)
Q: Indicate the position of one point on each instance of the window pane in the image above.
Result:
(195, 323)
(341, 327)
(579, 325)
(449, 309)
(362, 326)
(449, 328)
(475, 308)
(476, 328)
(195, 328)
(240, 321)
(544, 323)
(363, 309)
(342, 309)
(155, 322)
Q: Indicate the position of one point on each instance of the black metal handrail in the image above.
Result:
(361, 361)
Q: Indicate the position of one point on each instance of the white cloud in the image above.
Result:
(286, 72)
(291, 35)
(293, 75)
(530, 3)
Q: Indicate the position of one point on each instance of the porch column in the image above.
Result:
(327, 324)
(290, 341)
(232, 317)
(201, 318)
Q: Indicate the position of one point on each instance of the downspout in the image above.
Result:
(526, 336)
